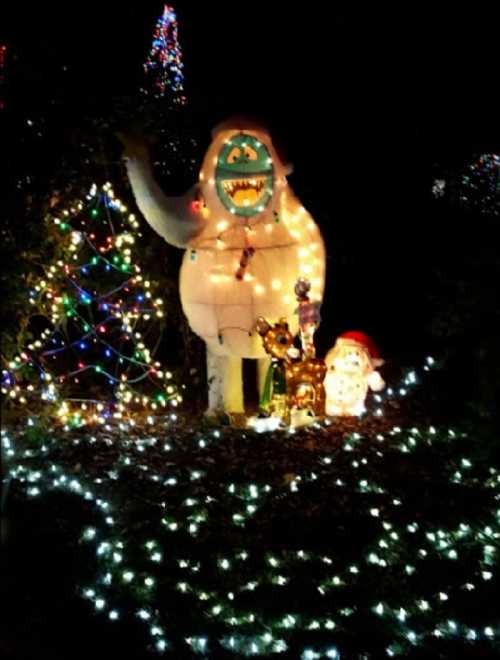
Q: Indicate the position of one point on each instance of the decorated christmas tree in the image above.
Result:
(163, 108)
(480, 185)
(91, 362)
(163, 67)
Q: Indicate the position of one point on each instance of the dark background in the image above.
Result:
(370, 103)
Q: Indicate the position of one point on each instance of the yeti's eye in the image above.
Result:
(234, 155)
(250, 153)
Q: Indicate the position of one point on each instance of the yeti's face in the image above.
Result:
(244, 175)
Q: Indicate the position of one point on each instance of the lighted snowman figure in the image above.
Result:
(351, 370)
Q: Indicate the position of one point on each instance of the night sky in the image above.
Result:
(371, 104)
(365, 76)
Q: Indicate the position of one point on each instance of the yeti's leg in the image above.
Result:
(262, 369)
(225, 384)
(233, 385)
(215, 382)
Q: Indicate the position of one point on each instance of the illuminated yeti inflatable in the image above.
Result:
(247, 240)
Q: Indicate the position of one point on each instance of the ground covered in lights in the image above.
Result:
(360, 539)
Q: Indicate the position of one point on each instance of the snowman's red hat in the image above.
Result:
(364, 340)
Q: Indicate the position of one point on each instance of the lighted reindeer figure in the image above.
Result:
(290, 384)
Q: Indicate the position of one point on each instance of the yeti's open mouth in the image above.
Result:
(246, 191)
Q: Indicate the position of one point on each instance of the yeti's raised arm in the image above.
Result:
(170, 217)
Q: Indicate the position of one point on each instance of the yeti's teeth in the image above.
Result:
(233, 185)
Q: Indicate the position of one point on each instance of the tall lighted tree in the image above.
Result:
(480, 185)
(163, 67)
(91, 361)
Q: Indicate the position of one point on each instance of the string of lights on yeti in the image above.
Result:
(256, 235)
(124, 301)
(292, 225)
(233, 600)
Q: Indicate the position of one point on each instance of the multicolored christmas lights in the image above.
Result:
(91, 360)
(164, 64)
(480, 185)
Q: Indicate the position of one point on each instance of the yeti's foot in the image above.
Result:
(212, 413)
(218, 416)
